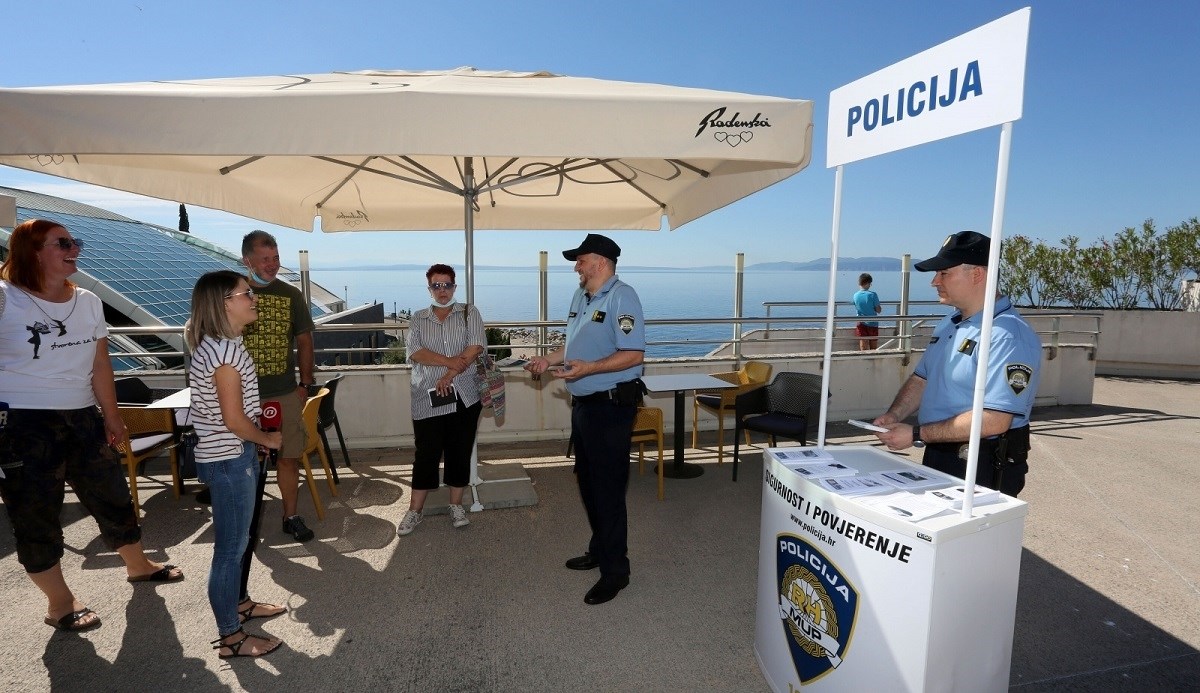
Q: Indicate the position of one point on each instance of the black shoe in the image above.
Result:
(585, 562)
(295, 526)
(605, 589)
(204, 496)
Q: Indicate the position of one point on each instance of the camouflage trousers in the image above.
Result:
(40, 450)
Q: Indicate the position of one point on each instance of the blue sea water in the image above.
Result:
(511, 294)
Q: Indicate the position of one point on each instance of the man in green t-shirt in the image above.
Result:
(284, 322)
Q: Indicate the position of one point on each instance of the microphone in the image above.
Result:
(272, 419)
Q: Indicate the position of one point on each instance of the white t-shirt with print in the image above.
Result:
(48, 350)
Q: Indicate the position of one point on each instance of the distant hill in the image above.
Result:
(845, 264)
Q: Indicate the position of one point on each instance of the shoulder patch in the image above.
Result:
(1018, 375)
(626, 322)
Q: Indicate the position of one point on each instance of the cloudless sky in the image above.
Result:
(1109, 135)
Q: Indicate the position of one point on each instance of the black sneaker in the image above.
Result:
(204, 496)
(295, 526)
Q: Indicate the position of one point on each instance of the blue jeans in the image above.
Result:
(233, 483)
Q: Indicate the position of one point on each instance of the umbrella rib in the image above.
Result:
(345, 180)
(635, 186)
(694, 169)
(225, 170)
(415, 181)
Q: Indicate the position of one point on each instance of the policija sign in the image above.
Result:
(968, 83)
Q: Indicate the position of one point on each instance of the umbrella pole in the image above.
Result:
(469, 273)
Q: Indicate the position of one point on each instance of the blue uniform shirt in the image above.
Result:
(865, 303)
(598, 327)
(950, 362)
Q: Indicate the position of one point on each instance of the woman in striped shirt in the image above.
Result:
(223, 410)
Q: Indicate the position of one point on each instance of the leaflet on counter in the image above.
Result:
(822, 470)
(911, 478)
(790, 456)
(904, 505)
(852, 486)
(953, 497)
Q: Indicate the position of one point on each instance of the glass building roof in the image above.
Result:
(150, 267)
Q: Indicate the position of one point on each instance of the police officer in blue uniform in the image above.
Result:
(942, 388)
(602, 366)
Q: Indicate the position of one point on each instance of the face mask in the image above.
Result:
(257, 279)
(447, 304)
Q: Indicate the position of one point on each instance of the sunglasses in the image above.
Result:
(65, 243)
(247, 292)
(442, 285)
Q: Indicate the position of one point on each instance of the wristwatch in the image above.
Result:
(917, 442)
(307, 386)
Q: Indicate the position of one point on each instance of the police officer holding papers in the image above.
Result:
(602, 366)
(941, 389)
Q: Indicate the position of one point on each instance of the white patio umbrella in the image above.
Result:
(397, 150)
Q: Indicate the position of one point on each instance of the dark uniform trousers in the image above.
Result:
(1003, 461)
(600, 431)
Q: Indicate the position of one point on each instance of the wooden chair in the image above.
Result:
(648, 428)
(720, 402)
(314, 444)
(148, 433)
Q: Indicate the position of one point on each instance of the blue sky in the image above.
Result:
(1108, 137)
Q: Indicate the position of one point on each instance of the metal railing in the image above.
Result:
(803, 334)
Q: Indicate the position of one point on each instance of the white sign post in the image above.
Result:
(970, 82)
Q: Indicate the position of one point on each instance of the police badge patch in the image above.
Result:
(625, 322)
(1018, 375)
(817, 605)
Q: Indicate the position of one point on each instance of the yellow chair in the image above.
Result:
(148, 433)
(312, 445)
(648, 428)
(720, 402)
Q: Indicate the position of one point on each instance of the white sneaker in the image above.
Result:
(458, 516)
(412, 518)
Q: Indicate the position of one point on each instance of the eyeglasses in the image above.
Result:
(247, 292)
(65, 243)
(442, 285)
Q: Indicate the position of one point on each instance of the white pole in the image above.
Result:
(830, 304)
(989, 306)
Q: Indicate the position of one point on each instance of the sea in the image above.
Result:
(510, 294)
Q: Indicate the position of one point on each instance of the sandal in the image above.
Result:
(236, 646)
(163, 574)
(75, 621)
(248, 614)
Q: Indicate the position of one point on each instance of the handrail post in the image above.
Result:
(543, 300)
(739, 271)
(767, 332)
(905, 325)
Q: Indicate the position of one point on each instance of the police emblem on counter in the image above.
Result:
(817, 607)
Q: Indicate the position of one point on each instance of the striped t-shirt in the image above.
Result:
(215, 440)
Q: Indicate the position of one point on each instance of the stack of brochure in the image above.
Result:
(812, 463)
(904, 505)
(853, 486)
(953, 497)
(911, 478)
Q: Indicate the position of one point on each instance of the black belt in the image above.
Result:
(605, 396)
(960, 448)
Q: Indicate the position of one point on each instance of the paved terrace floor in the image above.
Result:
(1109, 597)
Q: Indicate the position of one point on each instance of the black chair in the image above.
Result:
(782, 409)
(326, 417)
(133, 391)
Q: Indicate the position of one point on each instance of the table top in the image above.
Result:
(684, 381)
(176, 400)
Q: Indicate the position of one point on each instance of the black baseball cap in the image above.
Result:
(962, 248)
(595, 243)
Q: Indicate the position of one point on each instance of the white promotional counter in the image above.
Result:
(853, 597)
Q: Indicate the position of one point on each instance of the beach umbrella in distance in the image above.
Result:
(393, 150)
